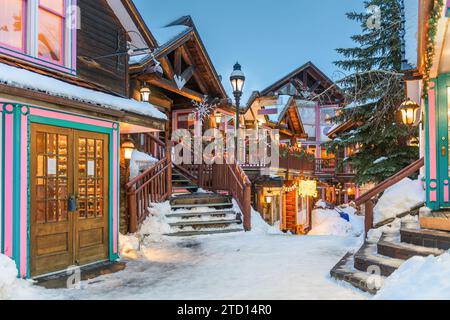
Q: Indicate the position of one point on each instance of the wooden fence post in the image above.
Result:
(168, 152)
(132, 209)
(247, 209)
(368, 215)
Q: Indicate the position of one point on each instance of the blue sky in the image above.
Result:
(270, 38)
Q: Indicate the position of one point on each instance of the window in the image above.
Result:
(36, 31)
(12, 24)
(51, 20)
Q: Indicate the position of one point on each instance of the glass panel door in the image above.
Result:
(443, 107)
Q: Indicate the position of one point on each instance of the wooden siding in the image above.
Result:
(291, 211)
(102, 34)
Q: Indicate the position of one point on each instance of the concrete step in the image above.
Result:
(189, 214)
(404, 251)
(203, 232)
(426, 238)
(367, 259)
(202, 224)
(344, 271)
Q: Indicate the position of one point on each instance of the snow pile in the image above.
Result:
(128, 246)
(21, 78)
(260, 226)
(419, 278)
(326, 222)
(374, 235)
(140, 161)
(399, 199)
(156, 226)
(12, 287)
(380, 160)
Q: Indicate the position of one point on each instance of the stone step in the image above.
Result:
(367, 259)
(202, 205)
(200, 224)
(364, 281)
(426, 238)
(200, 214)
(202, 232)
(404, 251)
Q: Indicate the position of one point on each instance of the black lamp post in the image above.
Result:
(237, 79)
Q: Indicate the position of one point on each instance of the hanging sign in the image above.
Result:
(307, 188)
(264, 112)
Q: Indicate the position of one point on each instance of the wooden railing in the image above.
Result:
(325, 166)
(367, 198)
(231, 178)
(154, 146)
(152, 186)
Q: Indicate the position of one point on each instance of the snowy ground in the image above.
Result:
(255, 265)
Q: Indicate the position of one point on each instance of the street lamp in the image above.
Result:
(237, 80)
(145, 93)
(409, 112)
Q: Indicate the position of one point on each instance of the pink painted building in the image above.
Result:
(63, 111)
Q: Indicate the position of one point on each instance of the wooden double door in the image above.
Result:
(68, 198)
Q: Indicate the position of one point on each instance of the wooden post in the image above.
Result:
(247, 208)
(168, 152)
(368, 216)
(132, 207)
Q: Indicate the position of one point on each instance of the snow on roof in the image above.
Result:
(21, 78)
(138, 58)
(411, 43)
(167, 34)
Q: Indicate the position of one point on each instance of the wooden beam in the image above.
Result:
(177, 62)
(190, 61)
(167, 67)
(188, 73)
(158, 81)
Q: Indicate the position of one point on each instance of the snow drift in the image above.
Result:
(326, 222)
(399, 199)
(419, 278)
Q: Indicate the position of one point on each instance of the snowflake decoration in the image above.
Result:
(203, 109)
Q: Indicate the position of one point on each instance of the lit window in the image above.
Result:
(50, 30)
(12, 24)
(36, 31)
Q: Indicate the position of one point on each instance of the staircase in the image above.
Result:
(196, 214)
(181, 184)
(388, 254)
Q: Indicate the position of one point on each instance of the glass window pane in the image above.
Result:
(54, 5)
(12, 23)
(50, 36)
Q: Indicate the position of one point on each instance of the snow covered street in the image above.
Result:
(255, 265)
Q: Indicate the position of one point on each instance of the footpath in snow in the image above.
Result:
(261, 264)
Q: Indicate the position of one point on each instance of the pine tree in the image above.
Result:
(374, 91)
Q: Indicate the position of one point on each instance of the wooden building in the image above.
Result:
(64, 87)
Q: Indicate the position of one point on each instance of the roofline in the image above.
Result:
(294, 73)
(140, 22)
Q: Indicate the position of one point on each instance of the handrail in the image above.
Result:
(404, 173)
(367, 197)
(152, 186)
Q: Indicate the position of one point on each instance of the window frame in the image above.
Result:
(30, 52)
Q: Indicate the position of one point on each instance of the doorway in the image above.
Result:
(68, 198)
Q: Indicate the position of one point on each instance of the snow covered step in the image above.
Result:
(367, 258)
(190, 214)
(426, 238)
(364, 281)
(203, 232)
(201, 224)
(211, 205)
(400, 250)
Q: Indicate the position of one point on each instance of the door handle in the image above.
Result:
(444, 151)
(72, 203)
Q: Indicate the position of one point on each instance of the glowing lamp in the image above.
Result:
(128, 148)
(409, 112)
(145, 93)
(218, 118)
(237, 79)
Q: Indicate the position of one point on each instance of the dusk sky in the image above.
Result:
(269, 38)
